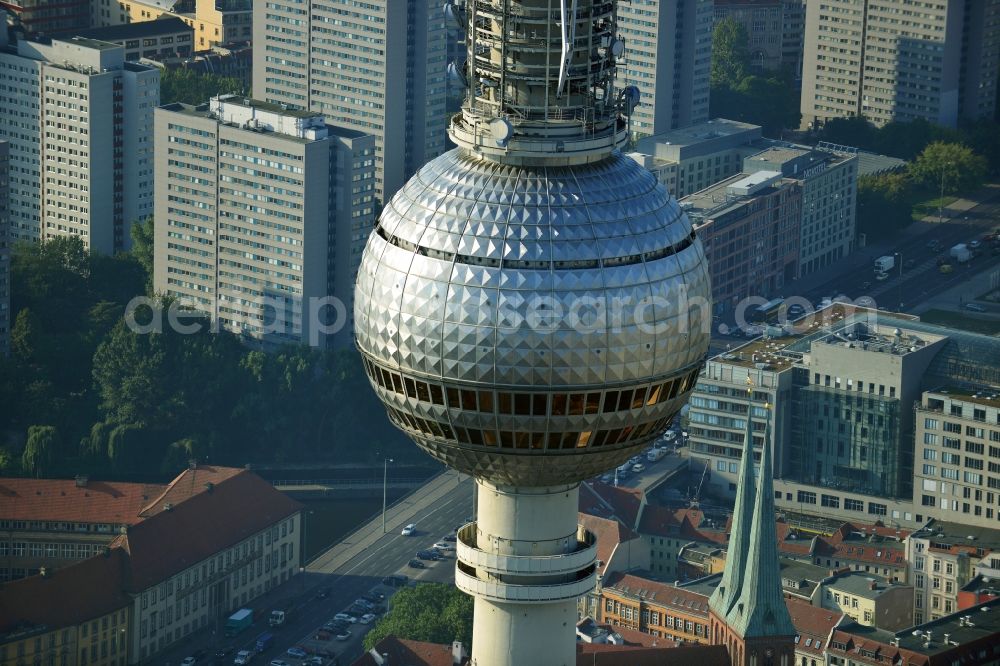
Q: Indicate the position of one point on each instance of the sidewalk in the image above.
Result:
(868, 254)
(397, 515)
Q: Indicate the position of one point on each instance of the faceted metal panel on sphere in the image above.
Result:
(532, 325)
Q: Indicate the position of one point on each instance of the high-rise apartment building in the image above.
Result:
(79, 119)
(957, 467)
(937, 60)
(380, 70)
(4, 251)
(829, 182)
(668, 55)
(261, 215)
(774, 31)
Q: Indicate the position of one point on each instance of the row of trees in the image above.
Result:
(886, 202)
(83, 392)
(180, 84)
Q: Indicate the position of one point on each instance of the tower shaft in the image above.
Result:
(526, 561)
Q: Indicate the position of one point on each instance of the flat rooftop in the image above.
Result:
(862, 584)
(163, 26)
(944, 534)
(710, 129)
(988, 397)
(96, 44)
(267, 106)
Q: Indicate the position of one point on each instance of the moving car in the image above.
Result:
(881, 276)
(243, 657)
(638, 467)
(188, 661)
(975, 307)
(279, 662)
(444, 546)
(296, 652)
(409, 530)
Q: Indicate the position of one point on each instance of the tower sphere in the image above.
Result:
(532, 325)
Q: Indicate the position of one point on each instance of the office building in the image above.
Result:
(844, 384)
(868, 600)
(957, 471)
(214, 21)
(829, 183)
(692, 158)
(749, 225)
(80, 140)
(668, 56)
(943, 557)
(5, 266)
(938, 62)
(381, 71)
(47, 17)
(163, 38)
(76, 615)
(261, 216)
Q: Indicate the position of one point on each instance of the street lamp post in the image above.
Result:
(899, 282)
(385, 486)
(941, 200)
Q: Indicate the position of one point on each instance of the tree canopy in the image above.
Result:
(730, 54)
(951, 166)
(180, 84)
(432, 612)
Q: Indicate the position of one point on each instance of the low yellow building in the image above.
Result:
(214, 21)
(869, 600)
(75, 616)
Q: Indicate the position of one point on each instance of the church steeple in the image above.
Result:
(760, 610)
(728, 591)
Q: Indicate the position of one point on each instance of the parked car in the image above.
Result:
(975, 307)
(881, 276)
(296, 652)
(279, 662)
(450, 537)
(416, 564)
(431, 555)
(638, 467)
(367, 618)
(445, 546)
(409, 530)
(345, 617)
(243, 657)
(364, 603)
(343, 636)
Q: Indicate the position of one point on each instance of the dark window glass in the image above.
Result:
(624, 400)
(593, 403)
(486, 401)
(506, 439)
(559, 404)
(576, 403)
(397, 383)
(504, 403)
(411, 387)
(654, 394)
(610, 401)
(490, 437)
(540, 404)
(453, 400)
(423, 392)
(469, 400)
(639, 398)
(522, 404)
(437, 395)
(538, 440)
(475, 436)
(671, 389)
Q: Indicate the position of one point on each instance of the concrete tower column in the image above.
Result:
(526, 561)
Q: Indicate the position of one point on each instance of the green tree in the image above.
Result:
(854, 131)
(431, 612)
(730, 56)
(40, 451)
(953, 166)
(181, 84)
(142, 248)
(883, 205)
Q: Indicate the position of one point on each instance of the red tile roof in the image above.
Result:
(813, 625)
(201, 526)
(663, 594)
(403, 652)
(67, 596)
(591, 654)
(189, 483)
(609, 534)
(61, 500)
(624, 503)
